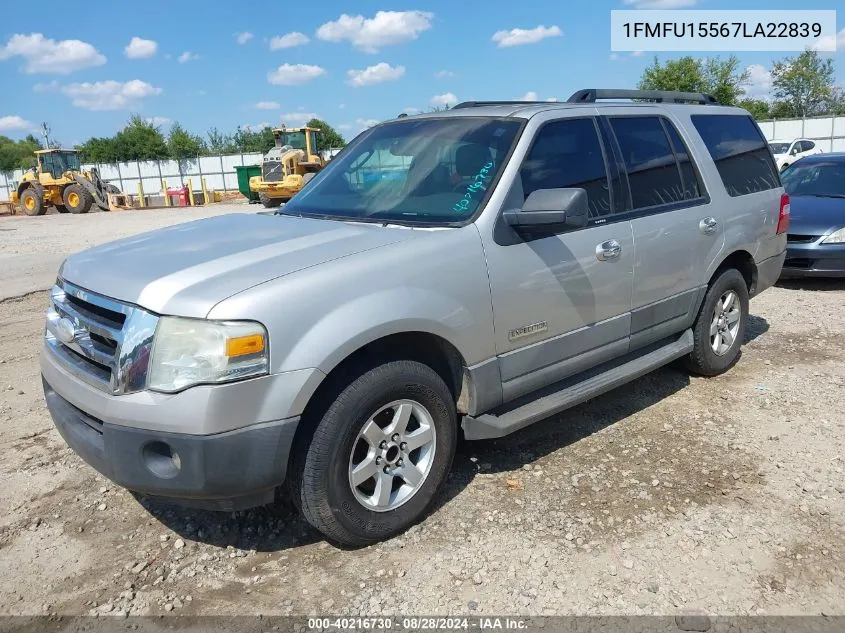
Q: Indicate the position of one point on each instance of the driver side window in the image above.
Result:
(568, 153)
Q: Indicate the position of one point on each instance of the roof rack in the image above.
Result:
(477, 104)
(590, 95)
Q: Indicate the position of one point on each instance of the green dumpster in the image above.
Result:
(245, 172)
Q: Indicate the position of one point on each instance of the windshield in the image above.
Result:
(295, 139)
(779, 148)
(57, 163)
(417, 171)
(815, 179)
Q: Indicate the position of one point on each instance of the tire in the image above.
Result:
(61, 208)
(269, 203)
(77, 198)
(710, 329)
(32, 200)
(319, 479)
(783, 169)
(110, 188)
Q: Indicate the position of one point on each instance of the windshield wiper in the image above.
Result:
(828, 195)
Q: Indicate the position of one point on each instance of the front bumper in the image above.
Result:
(814, 260)
(227, 471)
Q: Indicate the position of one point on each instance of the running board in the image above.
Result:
(572, 392)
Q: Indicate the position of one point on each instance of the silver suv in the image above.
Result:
(474, 271)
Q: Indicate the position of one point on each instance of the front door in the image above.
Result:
(562, 303)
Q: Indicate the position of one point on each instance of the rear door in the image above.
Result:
(677, 230)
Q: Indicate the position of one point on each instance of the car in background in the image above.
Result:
(787, 152)
(816, 236)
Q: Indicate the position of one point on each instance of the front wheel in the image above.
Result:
(77, 199)
(378, 456)
(720, 325)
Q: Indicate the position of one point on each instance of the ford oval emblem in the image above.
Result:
(65, 330)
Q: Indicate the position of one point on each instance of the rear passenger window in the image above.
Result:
(739, 151)
(692, 185)
(653, 173)
(568, 154)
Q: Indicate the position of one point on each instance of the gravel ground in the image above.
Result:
(670, 495)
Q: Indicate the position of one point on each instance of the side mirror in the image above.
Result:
(550, 211)
(793, 151)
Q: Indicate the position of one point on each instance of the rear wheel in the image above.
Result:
(720, 325)
(77, 198)
(268, 202)
(378, 456)
(32, 201)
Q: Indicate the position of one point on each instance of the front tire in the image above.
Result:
(378, 456)
(61, 208)
(77, 199)
(720, 325)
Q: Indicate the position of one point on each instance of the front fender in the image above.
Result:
(353, 325)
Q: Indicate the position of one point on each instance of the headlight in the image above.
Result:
(837, 237)
(189, 352)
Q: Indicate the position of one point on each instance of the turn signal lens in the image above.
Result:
(244, 345)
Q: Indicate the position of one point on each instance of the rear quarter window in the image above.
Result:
(740, 152)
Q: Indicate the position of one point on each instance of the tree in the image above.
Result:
(182, 144)
(99, 150)
(758, 108)
(327, 137)
(140, 140)
(803, 83)
(246, 140)
(220, 143)
(715, 76)
(17, 154)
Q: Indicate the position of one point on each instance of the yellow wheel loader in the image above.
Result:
(57, 179)
(288, 166)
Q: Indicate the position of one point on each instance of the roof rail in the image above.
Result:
(477, 104)
(590, 95)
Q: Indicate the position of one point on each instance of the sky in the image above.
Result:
(228, 64)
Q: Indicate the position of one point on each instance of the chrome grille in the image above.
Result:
(103, 342)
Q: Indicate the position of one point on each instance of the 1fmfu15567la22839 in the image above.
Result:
(474, 271)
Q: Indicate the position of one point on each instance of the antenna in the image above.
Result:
(45, 131)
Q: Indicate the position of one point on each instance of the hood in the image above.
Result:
(186, 269)
(811, 215)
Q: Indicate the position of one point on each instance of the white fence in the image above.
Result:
(827, 132)
(218, 171)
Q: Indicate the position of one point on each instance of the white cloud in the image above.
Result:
(344, 126)
(377, 74)
(254, 127)
(293, 119)
(637, 53)
(528, 96)
(14, 122)
(289, 40)
(243, 37)
(44, 55)
(829, 42)
(109, 95)
(411, 110)
(444, 74)
(341, 105)
(552, 100)
(139, 48)
(661, 4)
(158, 121)
(365, 123)
(370, 34)
(518, 37)
(446, 99)
(267, 105)
(294, 74)
(51, 86)
(188, 56)
(759, 81)
(613, 57)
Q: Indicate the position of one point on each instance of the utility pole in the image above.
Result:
(45, 131)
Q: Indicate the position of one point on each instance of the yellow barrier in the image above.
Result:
(141, 194)
(190, 192)
(205, 199)
(166, 195)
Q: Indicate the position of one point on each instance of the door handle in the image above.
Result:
(708, 225)
(609, 250)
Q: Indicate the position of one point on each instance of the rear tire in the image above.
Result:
(269, 203)
(77, 198)
(61, 208)
(720, 326)
(32, 200)
(337, 474)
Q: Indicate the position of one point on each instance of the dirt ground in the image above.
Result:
(669, 495)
